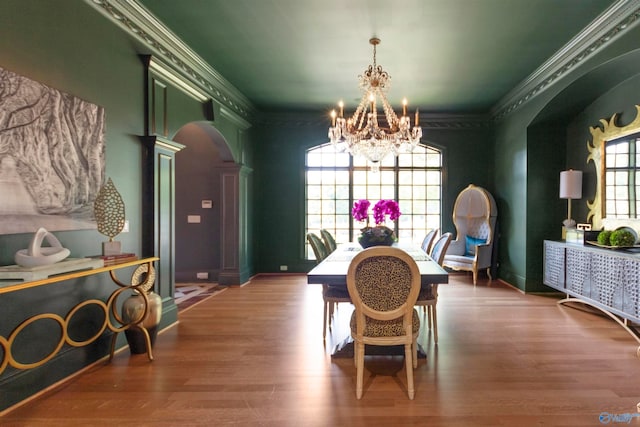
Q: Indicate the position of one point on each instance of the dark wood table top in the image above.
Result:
(333, 269)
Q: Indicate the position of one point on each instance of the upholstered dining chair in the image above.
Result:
(329, 241)
(428, 240)
(383, 283)
(428, 298)
(331, 295)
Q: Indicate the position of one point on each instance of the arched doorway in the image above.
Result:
(205, 212)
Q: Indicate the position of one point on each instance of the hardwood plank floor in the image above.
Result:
(254, 356)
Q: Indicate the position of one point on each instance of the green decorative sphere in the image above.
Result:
(622, 238)
(604, 236)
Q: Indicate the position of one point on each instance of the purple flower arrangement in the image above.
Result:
(380, 211)
(380, 234)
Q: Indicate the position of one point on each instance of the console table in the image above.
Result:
(109, 310)
(604, 279)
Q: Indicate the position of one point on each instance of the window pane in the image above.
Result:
(313, 191)
(404, 192)
(334, 180)
(314, 177)
(621, 176)
(314, 207)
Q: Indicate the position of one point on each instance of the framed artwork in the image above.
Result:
(52, 157)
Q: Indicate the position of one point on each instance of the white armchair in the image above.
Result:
(474, 215)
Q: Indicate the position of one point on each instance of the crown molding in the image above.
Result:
(137, 21)
(298, 119)
(612, 23)
(143, 25)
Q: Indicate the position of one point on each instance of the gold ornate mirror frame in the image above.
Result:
(600, 135)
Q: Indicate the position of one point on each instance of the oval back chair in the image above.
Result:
(383, 283)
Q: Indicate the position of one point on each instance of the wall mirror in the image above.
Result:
(615, 153)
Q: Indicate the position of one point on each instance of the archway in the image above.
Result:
(200, 200)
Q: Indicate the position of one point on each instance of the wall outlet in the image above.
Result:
(193, 219)
(284, 268)
(202, 275)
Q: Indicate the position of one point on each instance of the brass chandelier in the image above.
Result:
(362, 134)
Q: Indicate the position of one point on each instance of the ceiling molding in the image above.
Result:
(427, 121)
(143, 25)
(612, 23)
(136, 20)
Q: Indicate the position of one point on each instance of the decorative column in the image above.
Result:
(234, 223)
(158, 218)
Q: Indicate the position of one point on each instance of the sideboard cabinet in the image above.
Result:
(608, 280)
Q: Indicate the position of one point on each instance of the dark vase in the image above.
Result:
(132, 309)
(376, 236)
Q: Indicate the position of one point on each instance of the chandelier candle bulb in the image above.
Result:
(333, 118)
(341, 105)
(417, 115)
(404, 107)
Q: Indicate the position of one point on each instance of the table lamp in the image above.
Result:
(570, 188)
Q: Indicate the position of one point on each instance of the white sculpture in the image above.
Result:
(36, 255)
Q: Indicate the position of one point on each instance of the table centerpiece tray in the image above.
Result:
(600, 245)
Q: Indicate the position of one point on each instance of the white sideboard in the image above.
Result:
(608, 280)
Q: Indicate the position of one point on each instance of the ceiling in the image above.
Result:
(445, 56)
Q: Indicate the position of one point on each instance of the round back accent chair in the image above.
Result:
(383, 283)
(474, 215)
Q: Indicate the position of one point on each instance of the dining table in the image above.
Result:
(333, 271)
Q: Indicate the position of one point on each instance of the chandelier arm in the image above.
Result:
(360, 114)
(390, 115)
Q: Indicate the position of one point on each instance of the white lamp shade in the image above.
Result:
(571, 184)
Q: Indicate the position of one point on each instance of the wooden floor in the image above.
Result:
(254, 356)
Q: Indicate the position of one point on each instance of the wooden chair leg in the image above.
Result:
(331, 307)
(408, 356)
(415, 353)
(324, 323)
(359, 352)
(435, 323)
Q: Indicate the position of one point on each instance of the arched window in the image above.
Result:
(335, 180)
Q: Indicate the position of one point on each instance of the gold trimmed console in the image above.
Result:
(137, 285)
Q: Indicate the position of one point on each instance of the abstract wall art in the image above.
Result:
(52, 157)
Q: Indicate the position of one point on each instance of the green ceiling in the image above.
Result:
(445, 56)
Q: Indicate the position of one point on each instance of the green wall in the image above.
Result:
(547, 135)
(70, 46)
(281, 141)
